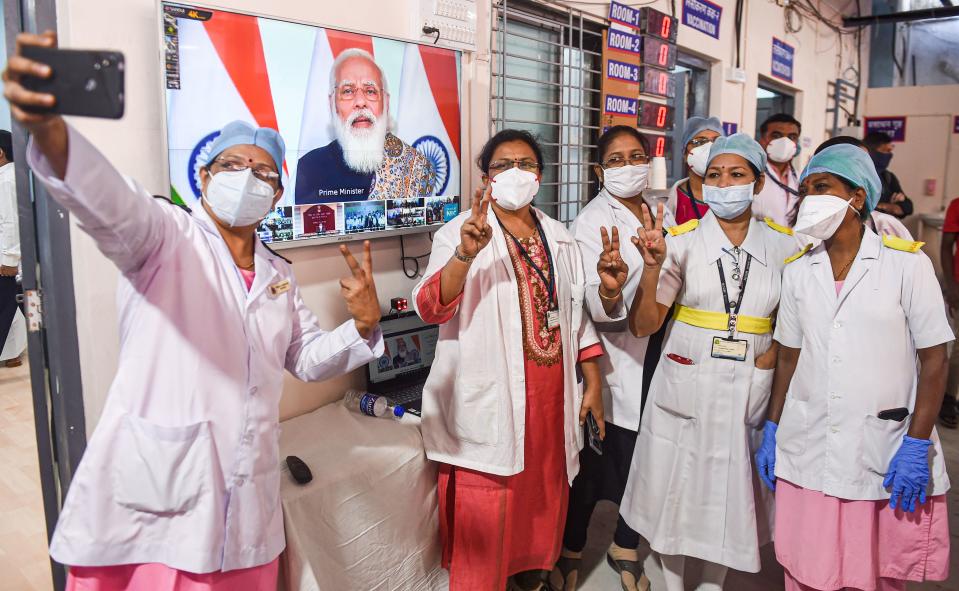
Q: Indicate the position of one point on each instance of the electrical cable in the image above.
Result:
(739, 29)
(404, 260)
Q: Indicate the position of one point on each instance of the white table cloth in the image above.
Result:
(368, 520)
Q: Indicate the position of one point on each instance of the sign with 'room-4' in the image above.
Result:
(783, 56)
(621, 105)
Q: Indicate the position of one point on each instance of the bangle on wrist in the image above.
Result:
(611, 298)
(462, 257)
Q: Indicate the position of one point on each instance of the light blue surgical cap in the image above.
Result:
(694, 125)
(851, 163)
(238, 133)
(741, 145)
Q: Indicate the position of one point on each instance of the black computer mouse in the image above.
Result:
(299, 470)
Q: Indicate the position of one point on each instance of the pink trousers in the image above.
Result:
(159, 577)
(881, 585)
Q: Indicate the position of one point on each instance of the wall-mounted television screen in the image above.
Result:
(371, 125)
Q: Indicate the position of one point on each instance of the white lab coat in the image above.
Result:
(474, 401)
(858, 358)
(183, 467)
(692, 489)
(885, 224)
(776, 203)
(622, 366)
(9, 217)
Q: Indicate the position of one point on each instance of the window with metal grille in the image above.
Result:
(546, 78)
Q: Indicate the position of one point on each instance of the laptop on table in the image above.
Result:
(400, 373)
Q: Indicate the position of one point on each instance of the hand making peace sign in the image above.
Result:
(476, 232)
(359, 291)
(611, 267)
(650, 241)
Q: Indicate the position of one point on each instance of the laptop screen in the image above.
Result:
(409, 348)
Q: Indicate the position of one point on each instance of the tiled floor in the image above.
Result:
(24, 565)
(601, 578)
(23, 551)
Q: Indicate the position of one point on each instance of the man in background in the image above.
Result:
(365, 161)
(9, 241)
(950, 283)
(892, 201)
(779, 199)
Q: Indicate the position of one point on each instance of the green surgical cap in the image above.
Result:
(852, 164)
(741, 145)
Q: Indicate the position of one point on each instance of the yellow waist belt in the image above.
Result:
(720, 320)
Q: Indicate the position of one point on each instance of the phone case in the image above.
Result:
(592, 434)
(88, 83)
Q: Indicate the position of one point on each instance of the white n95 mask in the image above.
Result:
(821, 215)
(698, 158)
(514, 188)
(626, 181)
(781, 150)
(728, 202)
(238, 198)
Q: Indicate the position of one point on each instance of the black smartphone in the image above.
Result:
(88, 83)
(592, 434)
(894, 414)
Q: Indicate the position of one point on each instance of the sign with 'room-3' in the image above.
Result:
(621, 78)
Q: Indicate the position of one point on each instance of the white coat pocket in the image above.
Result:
(161, 469)
(760, 387)
(792, 432)
(475, 412)
(677, 395)
(880, 441)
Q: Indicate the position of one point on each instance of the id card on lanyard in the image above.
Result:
(730, 347)
(552, 315)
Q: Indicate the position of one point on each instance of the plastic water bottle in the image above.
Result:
(372, 405)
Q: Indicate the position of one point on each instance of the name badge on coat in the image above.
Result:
(280, 288)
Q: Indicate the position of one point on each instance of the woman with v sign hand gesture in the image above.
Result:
(504, 408)
(692, 491)
(179, 485)
(603, 229)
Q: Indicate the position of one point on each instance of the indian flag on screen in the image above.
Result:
(275, 74)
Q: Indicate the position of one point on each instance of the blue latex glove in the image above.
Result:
(766, 456)
(908, 474)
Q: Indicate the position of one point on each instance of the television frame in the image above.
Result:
(315, 240)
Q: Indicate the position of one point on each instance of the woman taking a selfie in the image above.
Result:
(503, 408)
(178, 489)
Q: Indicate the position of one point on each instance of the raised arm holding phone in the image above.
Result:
(182, 471)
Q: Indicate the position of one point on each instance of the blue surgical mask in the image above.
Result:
(728, 202)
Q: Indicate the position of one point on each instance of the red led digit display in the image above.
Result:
(655, 115)
(656, 82)
(662, 146)
(659, 53)
(659, 24)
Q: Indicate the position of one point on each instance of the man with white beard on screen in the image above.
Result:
(365, 161)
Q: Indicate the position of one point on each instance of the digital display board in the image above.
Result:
(659, 24)
(655, 115)
(656, 82)
(661, 145)
(362, 158)
(657, 52)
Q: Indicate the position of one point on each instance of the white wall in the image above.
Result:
(931, 149)
(135, 144)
